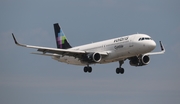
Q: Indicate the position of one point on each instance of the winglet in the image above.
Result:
(14, 39)
(17, 42)
(162, 47)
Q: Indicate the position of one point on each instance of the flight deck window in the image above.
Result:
(141, 39)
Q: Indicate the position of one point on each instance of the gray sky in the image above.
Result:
(32, 79)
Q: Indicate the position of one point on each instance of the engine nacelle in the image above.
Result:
(145, 59)
(96, 57)
(92, 57)
(141, 61)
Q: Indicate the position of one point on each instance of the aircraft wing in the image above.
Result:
(56, 51)
(156, 53)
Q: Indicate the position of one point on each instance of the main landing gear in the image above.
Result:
(120, 69)
(87, 69)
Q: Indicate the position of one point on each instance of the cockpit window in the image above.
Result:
(144, 38)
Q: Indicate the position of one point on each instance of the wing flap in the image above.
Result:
(57, 55)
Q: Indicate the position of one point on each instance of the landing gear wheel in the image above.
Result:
(117, 70)
(90, 69)
(87, 69)
(121, 70)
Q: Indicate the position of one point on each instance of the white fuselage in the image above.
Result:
(117, 49)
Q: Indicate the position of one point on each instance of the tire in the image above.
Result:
(85, 69)
(89, 69)
(122, 70)
(117, 70)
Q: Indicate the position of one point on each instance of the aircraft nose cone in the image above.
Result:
(152, 45)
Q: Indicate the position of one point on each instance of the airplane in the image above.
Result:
(136, 48)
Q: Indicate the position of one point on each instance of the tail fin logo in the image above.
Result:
(61, 40)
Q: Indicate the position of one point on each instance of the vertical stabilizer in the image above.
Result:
(61, 40)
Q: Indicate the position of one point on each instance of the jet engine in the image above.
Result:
(93, 57)
(139, 61)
